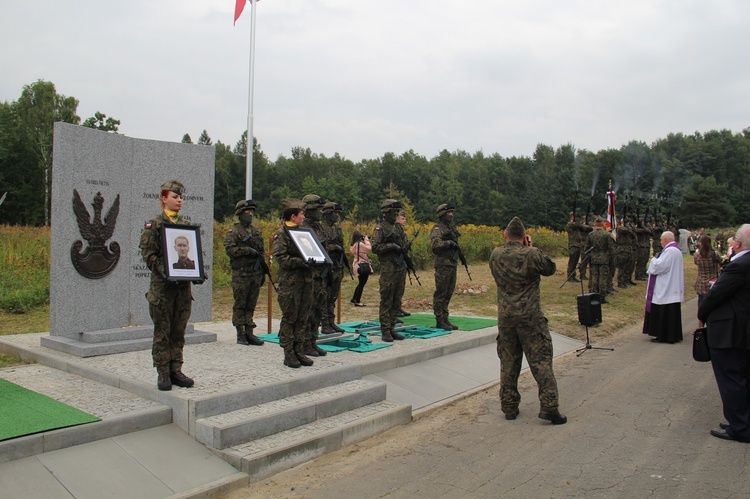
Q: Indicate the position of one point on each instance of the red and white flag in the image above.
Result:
(239, 6)
(611, 214)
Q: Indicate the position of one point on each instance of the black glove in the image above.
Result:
(397, 248)
(338, 248)
(252, 252)
(452, 244)
(310, 262)
(197, 282)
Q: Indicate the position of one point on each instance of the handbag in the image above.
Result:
(363, 268)
(700, 345)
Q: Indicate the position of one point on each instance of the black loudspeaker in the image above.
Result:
(589, 309)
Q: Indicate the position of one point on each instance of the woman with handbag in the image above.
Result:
(709, 268)
(361, 264)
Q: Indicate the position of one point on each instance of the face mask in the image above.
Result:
(246, 219)
(448, 218)
(316, 215)
(390, 217)
(333, 217)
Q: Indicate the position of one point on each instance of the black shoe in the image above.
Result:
(290, 360)
(327, 330)
(723, 426)
(402, 313)
(510, 416)
(399, 321)
(633, 283)
(443, 325)
(321, 352)
(311, 351)
(337, 329)
(722, 434)
(386, 336)
(179, 379)
(553, 417)
(453, 326)
(397, 336)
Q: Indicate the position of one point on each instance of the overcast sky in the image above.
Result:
(363, 78)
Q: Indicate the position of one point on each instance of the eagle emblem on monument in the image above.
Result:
(98, 259)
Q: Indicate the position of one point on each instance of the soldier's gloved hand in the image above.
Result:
(452, 244)
(197, 283)
(397, 248)
(310, 262)
(252, 252)
(338, 248)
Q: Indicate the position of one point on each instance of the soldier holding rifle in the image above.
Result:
(389, 243)
(444, 241)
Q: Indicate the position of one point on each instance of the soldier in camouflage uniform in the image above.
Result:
(244, 246)
(522, 327)
(624, 253)
(576, 238)
(334, 246)
(601, 245)
(643, 248)
(444, 241)
(169, 302)
(321, 276)
(295, 287)
(389, 243)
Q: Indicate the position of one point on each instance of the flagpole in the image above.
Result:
(250, 141)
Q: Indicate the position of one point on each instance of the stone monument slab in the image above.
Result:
(105, 187)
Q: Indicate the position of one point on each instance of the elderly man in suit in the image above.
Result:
(725, 310)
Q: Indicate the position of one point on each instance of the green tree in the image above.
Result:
(38, 108)
(186, 139)
(204, 139)
(100, 122)
(705, 204)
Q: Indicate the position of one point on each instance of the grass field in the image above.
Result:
(475, 297)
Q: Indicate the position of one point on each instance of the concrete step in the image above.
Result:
(115, 341)
(257, 421)
(269, 455)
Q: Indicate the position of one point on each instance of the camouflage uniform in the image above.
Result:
(603, 247)
(244, 246)
(643, 241)
(321, 275)
(624, 252)
(295, 292)
(389, 243)
(334, 246)
(522, 326)
(444, 242)
(587, 262)
(575, 242)
(169, 302)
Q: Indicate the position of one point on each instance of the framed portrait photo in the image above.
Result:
(308, 244)
(183, 255)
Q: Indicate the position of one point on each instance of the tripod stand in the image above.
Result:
(587, 346)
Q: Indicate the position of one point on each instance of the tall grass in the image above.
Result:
(24, 268)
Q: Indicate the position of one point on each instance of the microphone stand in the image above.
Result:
(587, 346)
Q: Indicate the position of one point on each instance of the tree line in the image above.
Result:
(700, 179)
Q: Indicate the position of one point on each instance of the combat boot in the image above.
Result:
(241, 335)
(444, 325)
(178, 378)
(327, 329)
(385, 334)
(320, 351)
(308, 349)
(397, 336)
(453, 326)
(305, 361)
(163, 383)
(251, 338)
(336, 327)
(553, 417)
(290, 359)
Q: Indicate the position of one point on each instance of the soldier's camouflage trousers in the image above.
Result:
(392, 284)
(169, 307)
(599, 281)
(318, 305)
(445, 284)
(536, 342)
(329, 314)
(295, 301)
(245, 289)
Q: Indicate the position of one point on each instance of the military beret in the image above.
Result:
(331, 207)
(248, 204)
(444, 208)
(515, 224)
(313, 201)
(174, 186)
(390, 204)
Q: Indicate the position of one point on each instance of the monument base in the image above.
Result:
(119, 340)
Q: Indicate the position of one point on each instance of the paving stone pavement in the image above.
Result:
(639, 421)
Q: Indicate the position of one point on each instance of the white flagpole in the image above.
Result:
(250, 148)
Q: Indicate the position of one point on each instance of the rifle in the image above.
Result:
(261, 259)
(404, 257)
(575, 201)
(461, 256)
(346, 264)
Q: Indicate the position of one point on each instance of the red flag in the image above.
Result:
(239, 6)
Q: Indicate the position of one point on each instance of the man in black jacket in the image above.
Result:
(725, 311)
